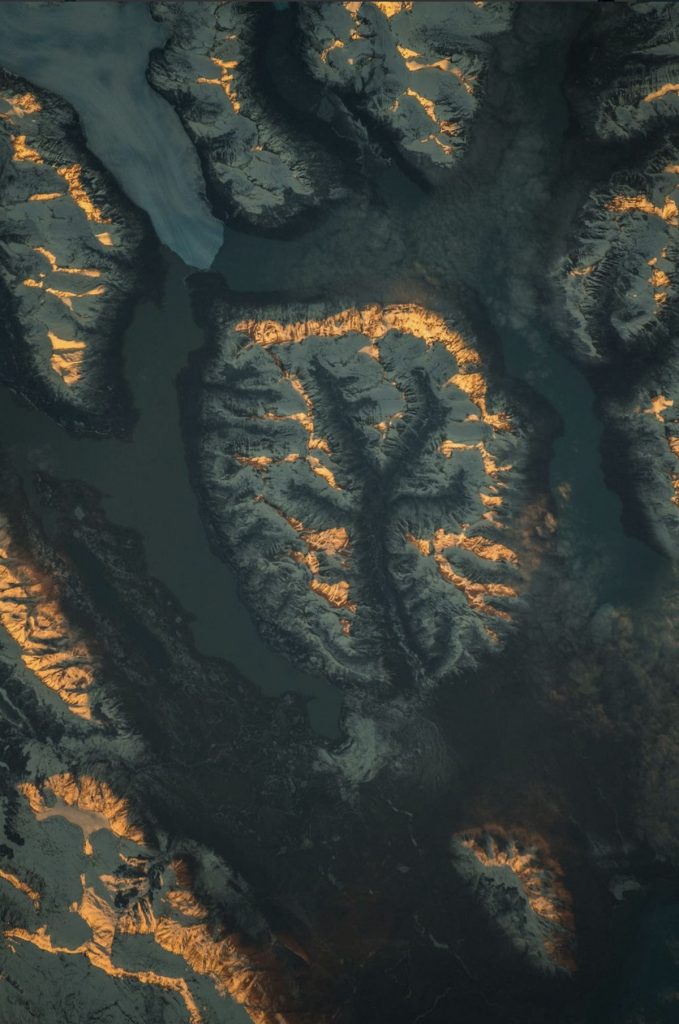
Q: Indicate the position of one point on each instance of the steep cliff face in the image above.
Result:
(364, 475)
(118, 910)
(285, 121)
(521, 887)
(100, 912)
(617, 284)
(254, 166)
(638, 91)
(72, 255)
(415, 68)
(619, 277)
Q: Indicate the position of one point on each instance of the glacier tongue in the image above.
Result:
(128, 126)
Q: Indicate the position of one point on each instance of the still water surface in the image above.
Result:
(144, 481)
(145, 486)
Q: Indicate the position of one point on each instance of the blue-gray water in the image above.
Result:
(144, 481)
(589, 513)
(145, 485)
(95, 56)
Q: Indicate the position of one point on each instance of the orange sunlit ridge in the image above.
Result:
(540, 877)
(43, 179)
(373, 322)
(169, 915)
(50, 647)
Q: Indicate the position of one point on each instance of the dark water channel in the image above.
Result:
(145, 485)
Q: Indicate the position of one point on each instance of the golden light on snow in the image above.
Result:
(164, 909)
(336, 594)
(225, 81)
(45, 197)
(374, 322)
(49, 645)
(479, 594)
(20, 105)
(539, 876)
(67, 357)
(56, 269)
(658, 405)
(22, 151)
(627, 204)
(390, 9)
(336, 44)
(72, 175)
(18, 883)
(664, 90)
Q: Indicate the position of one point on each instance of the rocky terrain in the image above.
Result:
(521, 887)
(415, 69)
(72, 262)
(490, 831)
(87, 876)
(618, 281)
(637, 91)
(255, 167)
(132, 876)
(128, 871)
(129, 127)
(374, 80)
(366, 480)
